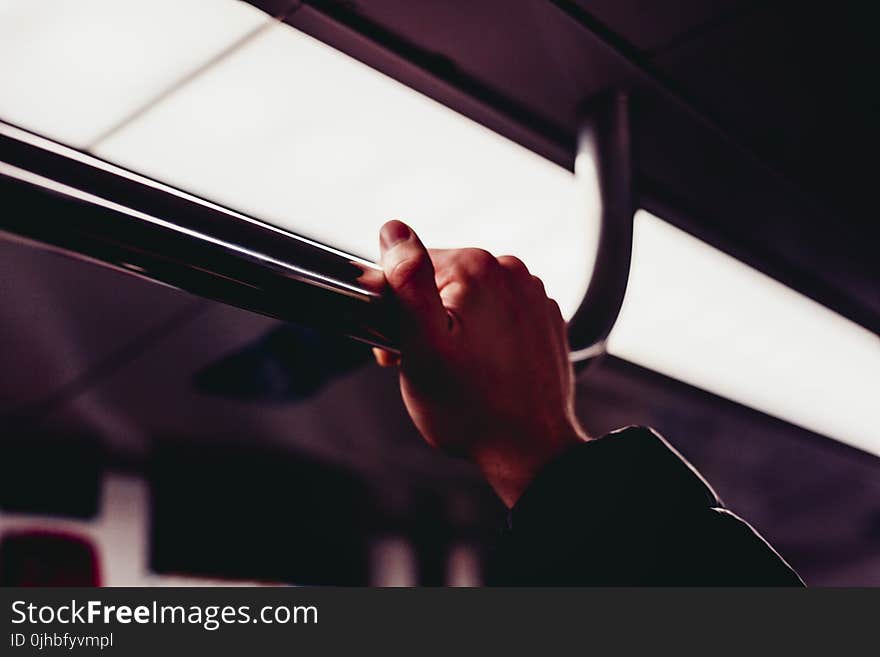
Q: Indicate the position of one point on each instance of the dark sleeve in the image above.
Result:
(627, 509)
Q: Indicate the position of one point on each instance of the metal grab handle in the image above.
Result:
(87, 207)
(605, 141)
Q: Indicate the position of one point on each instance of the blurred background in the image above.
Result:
(150, 437)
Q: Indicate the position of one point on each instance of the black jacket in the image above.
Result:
(627, 509)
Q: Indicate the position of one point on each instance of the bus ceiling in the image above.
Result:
(727, 150)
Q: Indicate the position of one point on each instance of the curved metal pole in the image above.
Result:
(605, 161)
(86, 207)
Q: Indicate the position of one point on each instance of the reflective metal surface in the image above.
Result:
(90, 208)
(605, 151)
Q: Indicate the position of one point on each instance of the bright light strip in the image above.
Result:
(71, 70)
(696, 314)
(294, 132)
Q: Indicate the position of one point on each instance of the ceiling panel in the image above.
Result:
(791, 80)
(527, 51)
(651, 25)
(71, 70)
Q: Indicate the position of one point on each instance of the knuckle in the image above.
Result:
(514, 265)
(459, 272)
(463, 287)
(406, 271)
(480, 263)
(460, 292)
(538, 285)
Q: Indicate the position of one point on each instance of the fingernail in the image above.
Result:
(394, 232)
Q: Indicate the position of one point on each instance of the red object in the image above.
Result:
(47, 558)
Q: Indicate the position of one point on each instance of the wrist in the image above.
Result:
(510, 462)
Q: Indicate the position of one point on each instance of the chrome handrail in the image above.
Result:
(87, 207)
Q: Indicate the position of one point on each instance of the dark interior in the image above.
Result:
(754, 126)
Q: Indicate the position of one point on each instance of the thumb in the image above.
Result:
(410, 274)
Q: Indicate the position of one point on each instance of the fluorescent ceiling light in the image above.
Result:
(294, 132)
(696, 314)
(71, 70)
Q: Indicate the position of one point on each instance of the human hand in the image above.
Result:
(484, 368)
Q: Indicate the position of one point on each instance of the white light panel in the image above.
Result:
(71, 69)
(292, 131)
(696, 314)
